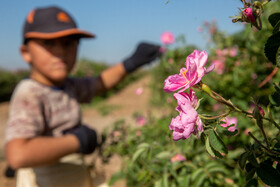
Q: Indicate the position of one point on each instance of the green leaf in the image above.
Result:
(277, 88)
(213, 167)
(162, 182)
(197, 173)
(274, 19)
(277, 57)
(165, 179)
(203, 137)
(117, 176)
(250, 171)
(268, 174)
(200, 179)
(209, 148)
(251, 174)
(276, 28)
(275, 99)
(217, 143)
(163, 155)
(184, 180)
(252, 183)
(143, 145)
(278, 167)
(242, 159)
(158, 183)
(271, 47)
(137, 154)
(253, 160)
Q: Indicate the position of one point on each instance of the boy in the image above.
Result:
(45, 129)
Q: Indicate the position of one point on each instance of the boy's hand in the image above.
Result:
(145, 53)
(87, 138)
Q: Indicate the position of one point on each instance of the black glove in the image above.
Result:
(87, 138)
(145, 53)
(10, 172)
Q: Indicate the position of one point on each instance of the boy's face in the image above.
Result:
(51, 60)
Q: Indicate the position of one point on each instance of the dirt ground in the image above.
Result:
(124, 105)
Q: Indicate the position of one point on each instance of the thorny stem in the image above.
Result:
(266, 148)
(220, 99)
(216, 117)
(265, 138)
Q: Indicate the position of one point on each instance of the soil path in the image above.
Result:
(134, 98)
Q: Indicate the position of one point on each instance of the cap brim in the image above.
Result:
(59, 34)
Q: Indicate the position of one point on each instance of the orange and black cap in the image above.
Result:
(50, 23)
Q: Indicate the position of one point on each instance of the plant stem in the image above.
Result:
(265, 138)
(267, 149)
(216, 117)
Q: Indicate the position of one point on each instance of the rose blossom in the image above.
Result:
(167, 38)
(229, 121)
(178, 157)
(233, 51)
(188, 121)
(189, 75)
(141, 121)
(219, 66)
(139, 91)
(138, 133)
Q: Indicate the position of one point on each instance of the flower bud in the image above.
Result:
(261, 111)
(206, 89)
(249, 16)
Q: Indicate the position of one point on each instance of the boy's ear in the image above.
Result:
(25, 53)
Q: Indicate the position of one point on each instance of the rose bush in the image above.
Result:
(233, 109)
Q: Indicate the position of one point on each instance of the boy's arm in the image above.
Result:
(42, 150)
(110, 77)
(144, 54)
(39, 151)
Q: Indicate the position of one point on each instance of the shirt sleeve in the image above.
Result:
(25, 117)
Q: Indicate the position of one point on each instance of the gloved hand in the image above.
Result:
(145, 53)
(87, 138)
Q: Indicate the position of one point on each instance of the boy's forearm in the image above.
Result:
(39, 151)
(112, 76)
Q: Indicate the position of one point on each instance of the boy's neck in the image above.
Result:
(45, 81)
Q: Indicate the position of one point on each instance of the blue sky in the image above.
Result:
(118, 24)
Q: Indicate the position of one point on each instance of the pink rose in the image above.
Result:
(233, 51)
(219, 66)
(141, 121)
(229, 121)
(116, 133)
(178, 158)
(188, 121)
(167, 38)
(189, 75)
(139, 91)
